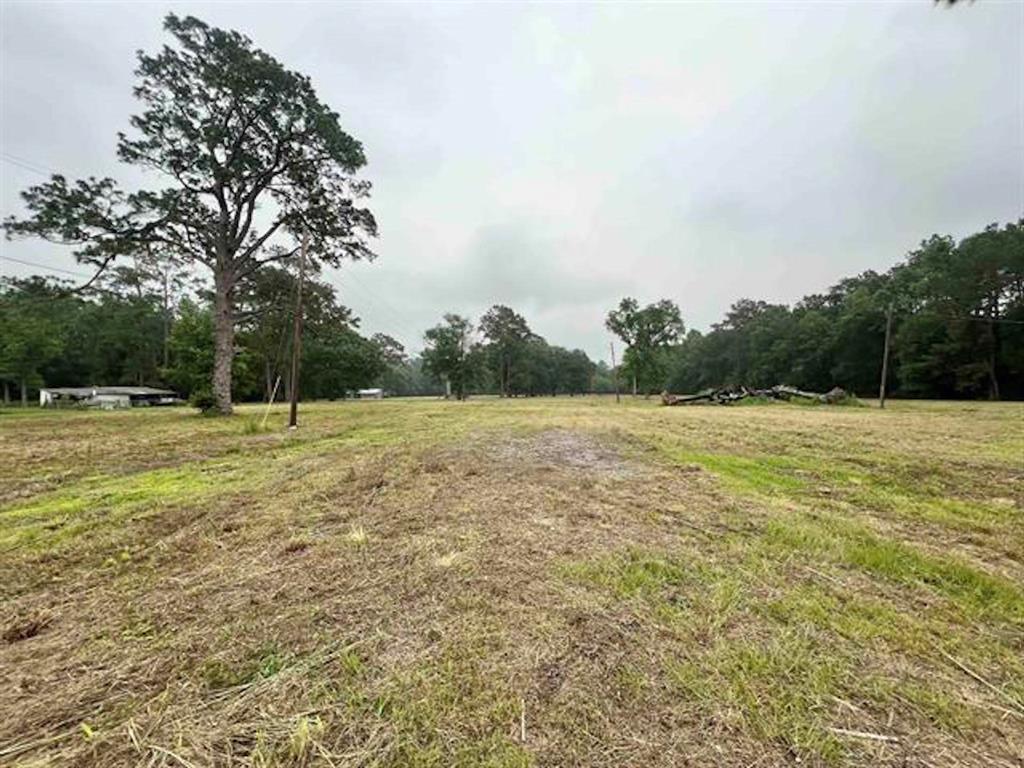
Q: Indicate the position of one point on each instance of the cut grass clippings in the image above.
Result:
(512, 583)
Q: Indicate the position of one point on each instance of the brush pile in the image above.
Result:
(727, 396)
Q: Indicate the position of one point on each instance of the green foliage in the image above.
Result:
(191, 345)
(204, 400)
(30, 329)
(236, 131)
(958, 329)
(338, 360)
(508, 337)
(266, 300)
(647, 332)
(452, 355)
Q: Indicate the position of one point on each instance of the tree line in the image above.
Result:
(153, 324)
(957, 320)
(502, 355)
(957, 323)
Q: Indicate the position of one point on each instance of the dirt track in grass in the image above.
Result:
(537, 582)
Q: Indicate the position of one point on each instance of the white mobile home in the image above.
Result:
(106, 397)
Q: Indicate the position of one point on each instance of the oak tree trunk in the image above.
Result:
(24, 394)
(223, 341)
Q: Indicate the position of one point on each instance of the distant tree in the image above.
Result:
(191, 350)
(392, 351)
(337, 360)
(253, 156)
(646, 332)
(31, 333)
(967, 288)
(266, 308)
(410, 378)
(396, 376)
(564, 371)
(154, 276)
(576, 372)
(451, 354)
(506, 332)
(535, 373)
(603, 380)
(121, 340)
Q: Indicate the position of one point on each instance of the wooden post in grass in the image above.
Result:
(885, 357)
(615, 371)
(293, 417)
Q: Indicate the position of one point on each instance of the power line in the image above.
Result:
(374, 295)
(27, 165)
(395, 317)
(43, 266)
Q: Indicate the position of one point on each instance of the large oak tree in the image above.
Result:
(253, 159)
(646, 332)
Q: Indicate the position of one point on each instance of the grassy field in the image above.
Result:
(507, 583)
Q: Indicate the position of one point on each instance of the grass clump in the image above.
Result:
(357, 537)
(777, 689)
(631, 574)
(304, 736)
(262, 663)
(254, 425)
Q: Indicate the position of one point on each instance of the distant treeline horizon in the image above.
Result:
(957, 313)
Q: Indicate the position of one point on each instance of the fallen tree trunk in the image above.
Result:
(726, 396)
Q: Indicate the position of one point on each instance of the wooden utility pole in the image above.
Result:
(293, 417)
(167, 315)
(615, 371)
(885, 357)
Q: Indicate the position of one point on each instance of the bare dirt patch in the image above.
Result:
(561, 449)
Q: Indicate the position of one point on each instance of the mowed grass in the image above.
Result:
(509, 583)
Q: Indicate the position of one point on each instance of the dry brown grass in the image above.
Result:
(513, 583)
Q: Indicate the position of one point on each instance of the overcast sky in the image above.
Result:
(559, 157)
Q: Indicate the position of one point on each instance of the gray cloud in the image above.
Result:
(558, 157)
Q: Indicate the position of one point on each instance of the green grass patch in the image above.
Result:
(104, 501)
(260, 664)
(634, 573)
(447, 711)
(852, 544)
(770, 475)
(776, 689)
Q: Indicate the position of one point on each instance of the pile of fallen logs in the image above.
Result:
(728, 396)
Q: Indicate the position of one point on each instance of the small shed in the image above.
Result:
(107, 397)
(370, 394)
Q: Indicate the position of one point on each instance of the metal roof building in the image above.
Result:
(107, 397)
